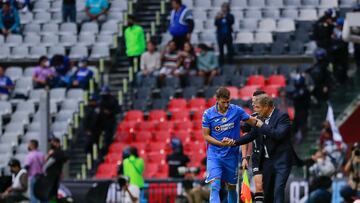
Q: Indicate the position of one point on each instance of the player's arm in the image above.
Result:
(252, 121)
(211, 140)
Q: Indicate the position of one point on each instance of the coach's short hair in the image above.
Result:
(264, 100)
(222, 92)
(258, 92)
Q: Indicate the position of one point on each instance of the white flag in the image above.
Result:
(335, 130)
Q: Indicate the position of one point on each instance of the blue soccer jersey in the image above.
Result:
(224, 125)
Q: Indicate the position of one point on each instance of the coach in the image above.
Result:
(278, 152)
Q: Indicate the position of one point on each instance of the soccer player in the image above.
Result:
(220, 121)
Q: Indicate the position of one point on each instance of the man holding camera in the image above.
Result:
(352, 190)
(122, 191)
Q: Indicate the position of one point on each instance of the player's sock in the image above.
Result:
(215, 190)
(232, 196)
(258, 197)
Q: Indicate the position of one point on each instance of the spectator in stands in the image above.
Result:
(14, 3)
(150, 62)
(301, 100)
(339, 53)
(61, 64)
(96, 9)
(201, 192)
(53, 167)
(6, 85)
(91, 118)
(176, 159)
(321, 76)
(82, 75)
(16, 192)
(323, 30)
(351, 191)
(325, 135)
(181, 23)
(34, 162)
(188, 62)
(43, 75)
(207, 63)
(9, 20)
(69, 10)
(109, 108)
(224, 21)
(134, 40)
(170, 61)
(133, 167)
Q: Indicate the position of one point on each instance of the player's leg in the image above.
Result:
(230, 176)
(259, 193)
(213, 168)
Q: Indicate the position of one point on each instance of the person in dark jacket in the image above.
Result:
(109, 108)
(91, 129)
(9, 19)
(224, 21)
(323, 30)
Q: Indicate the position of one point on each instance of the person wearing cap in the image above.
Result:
(82, 75)
(9, 20)
(43, 74)
(109, 107)
(134, 40)
(17, 191)
(323, 29)
(55, 160)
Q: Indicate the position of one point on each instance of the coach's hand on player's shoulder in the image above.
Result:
(228, 142)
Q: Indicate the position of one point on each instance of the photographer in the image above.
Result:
(176, 160)
(122, 191)
(352, 191)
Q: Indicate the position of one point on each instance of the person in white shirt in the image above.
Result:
(123, 192)
(150, 62)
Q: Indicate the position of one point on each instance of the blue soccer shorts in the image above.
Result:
(225, 169)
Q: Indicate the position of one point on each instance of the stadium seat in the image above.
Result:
(57, 94)
(167, 92)
(134, 115)
(247, 91)
(143, 93)
(163, 136)
(14, 72)
(105, 39)
(4, 52)
(159, 103)
(219, 80)
(183, 135)
(249, 24)
(144, 136)
(59, 129)
(233, 92)
(64, 116)
(149, 82)
(117, 147)
(106, 170)
(25, 106)
(109, 27)
(257, 80)
(42, 17)
(267, 25)
(256, 3)
(165, 126)
(20, 117)
(151, 170)
(126, 127)
(68, 40)
(272, 90)
(139, 104)
(19, 52)
(155, 158)
(247, 71)
(32, 39)
(112, 158)
(124, 137)
(189, 92)
(89, 27)
(100, 51)
(23, 85)
(197, 115)
(33, 28)
(75, 94)
(37, 51)
(266, 70)
(253, 13)
(69, 104)
(278, 80)
(158, 147)
(85, 39)
(196, 81)
(157, 115)
(209, 92)
(146, 126)
(197, 104)
(210, 102)
(184, 126)
(15, 128)
(177, 104)
(182, 115)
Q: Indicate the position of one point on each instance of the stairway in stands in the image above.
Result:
(148, 14)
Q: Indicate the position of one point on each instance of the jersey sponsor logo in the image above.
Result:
(224, 127)
(224, 119)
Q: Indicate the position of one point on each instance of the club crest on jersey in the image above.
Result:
(217, 128)
(224, 119)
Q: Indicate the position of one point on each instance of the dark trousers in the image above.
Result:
(69, 12)
(274, 182)
(348, 193)
(179, 41)
(225, 40)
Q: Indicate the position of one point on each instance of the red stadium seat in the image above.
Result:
(234, 92)
(124, 137)
(197, 124)
(134, 115)
(165, 126)
(291, 112)
(106, 170)
(183, 135)
(156, 158)
(146, 126)
(257, 80)
(278, 80)
(177, 104)
(197, 104)
(272, 90)
(158, 115)
(117, 147)
(194, 147)
(126, 126)
(159, 147)
(210, 102)
(184, 125)
(180, 115)
(113, 158)
(247, 110)
(198, 135)
(151, 170)
(197, 115)
(247, 91)
(144, 136)
(162, 136)
(142, 147)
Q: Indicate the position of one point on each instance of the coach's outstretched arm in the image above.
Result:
(211, 140)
